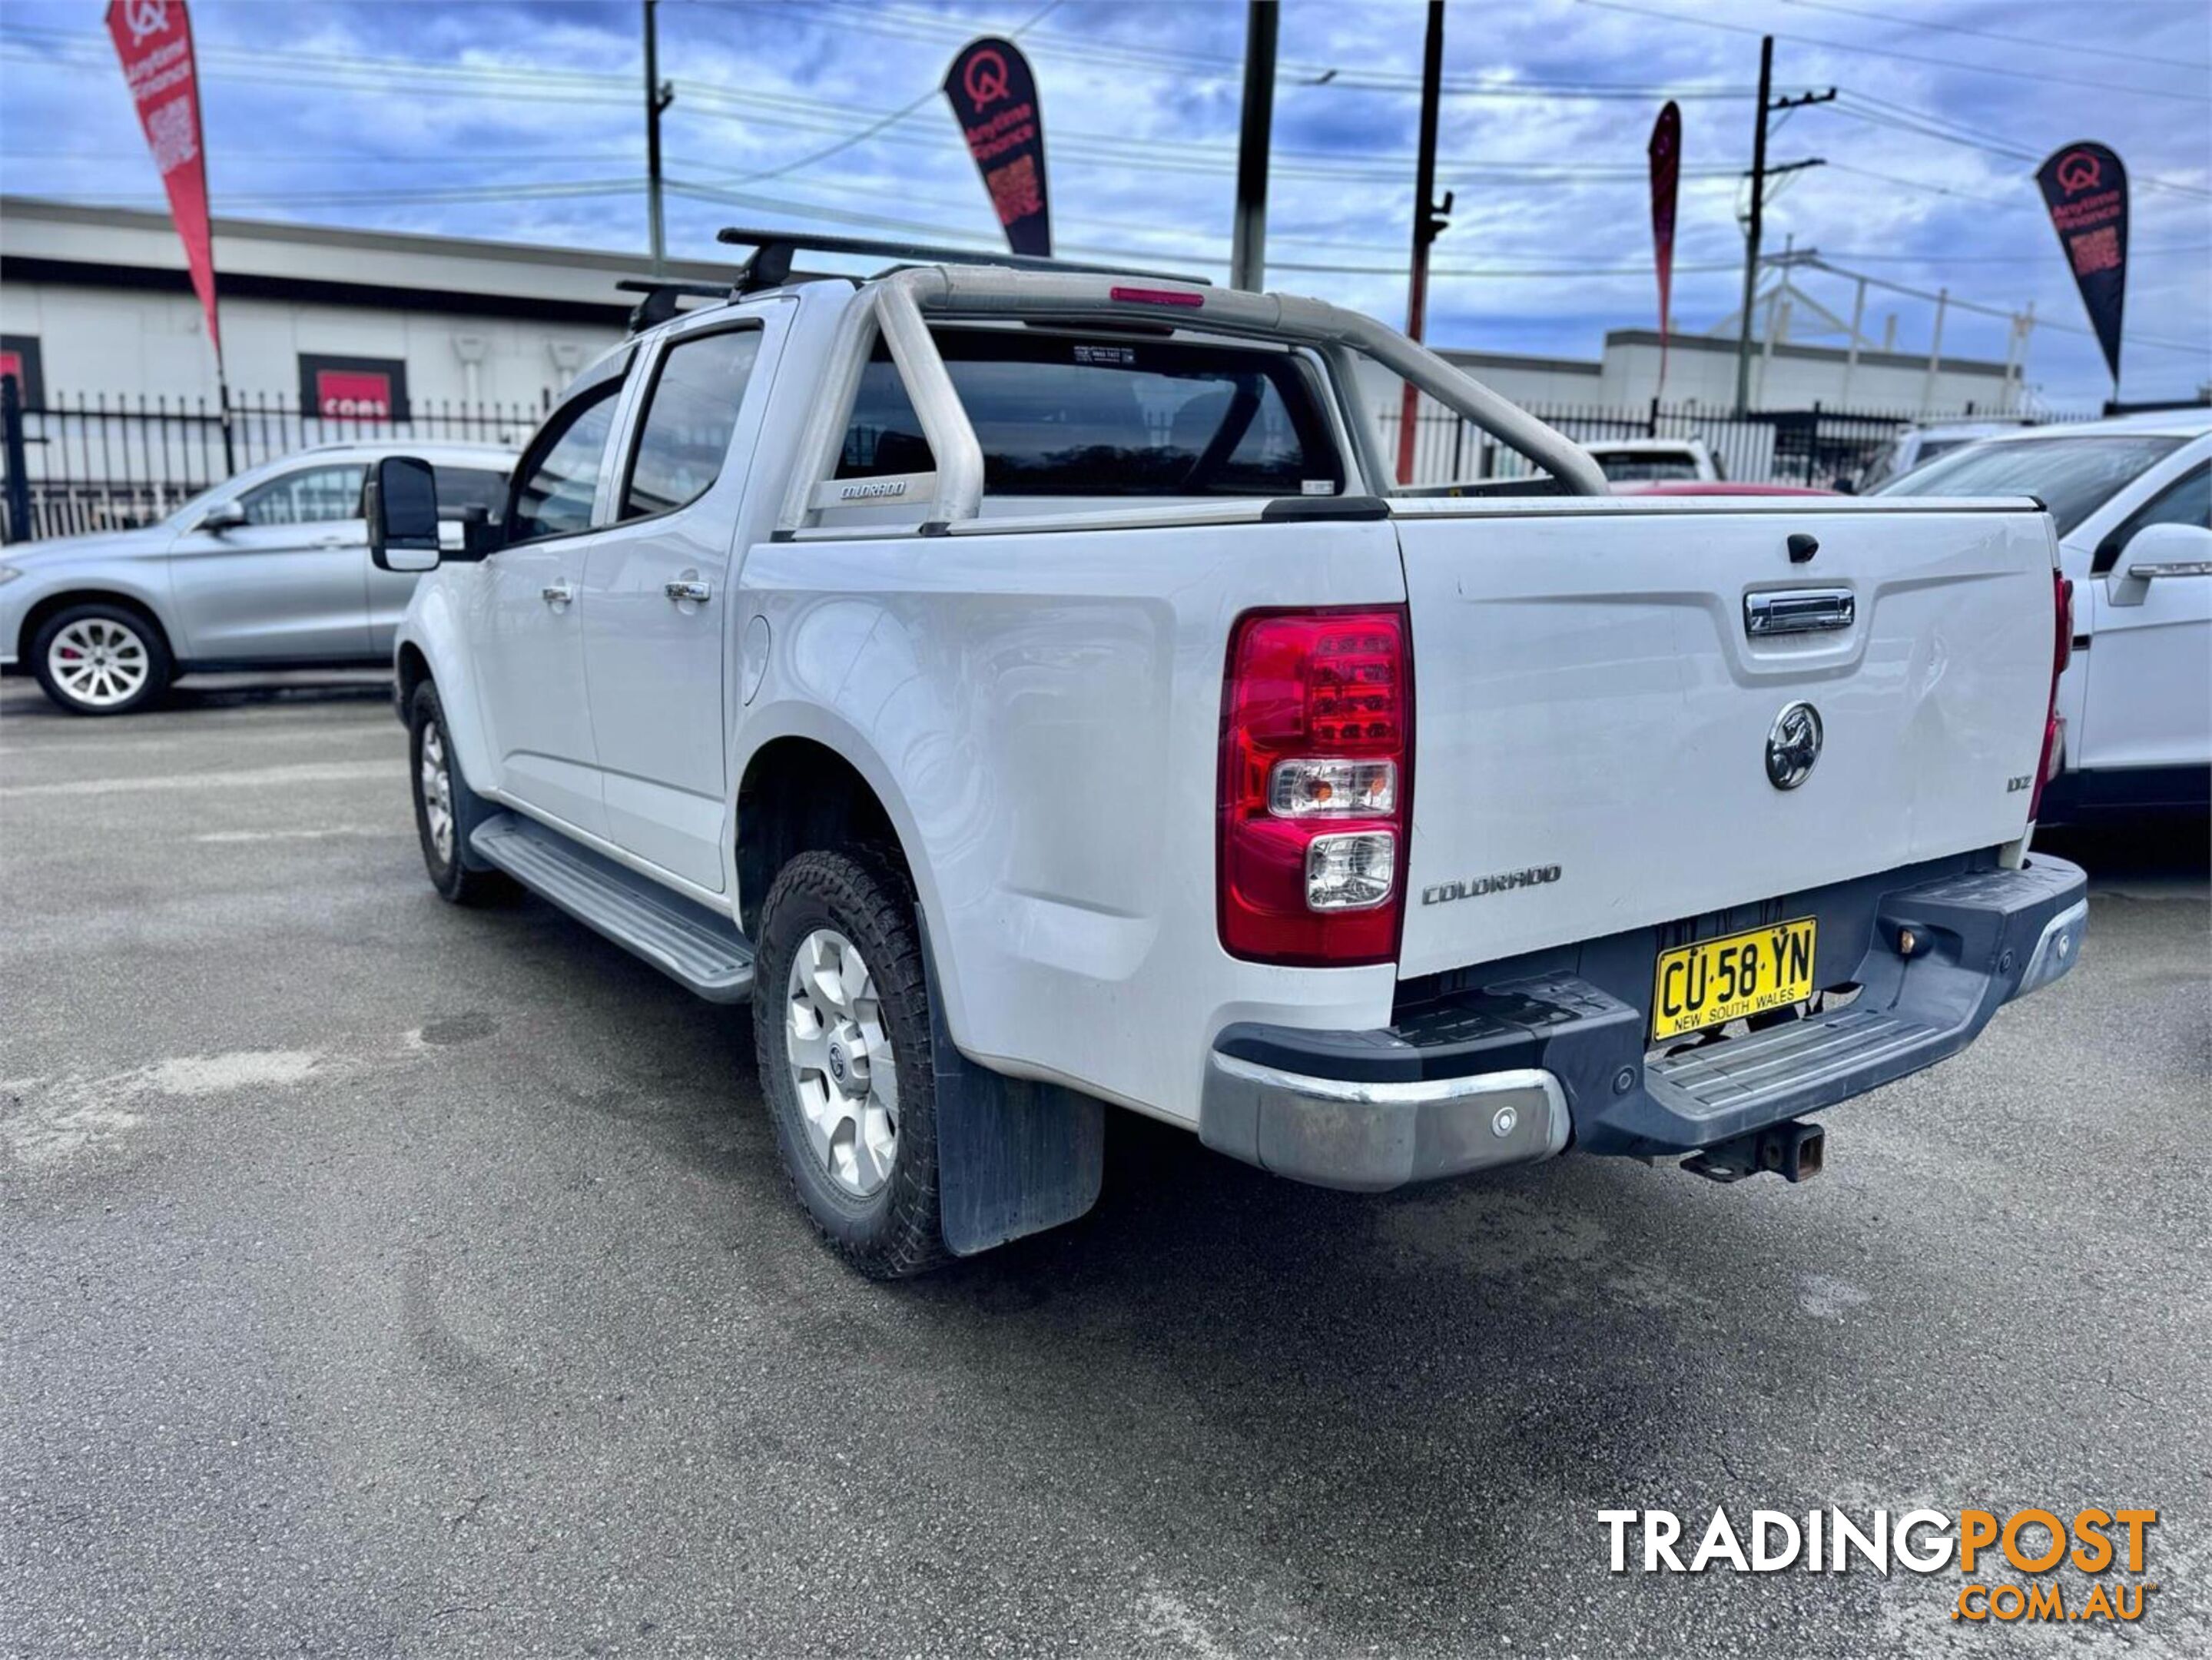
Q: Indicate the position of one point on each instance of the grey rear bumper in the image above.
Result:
(1370, 1137)
(1508, 1071)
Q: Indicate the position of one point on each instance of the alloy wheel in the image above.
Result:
(100, 661)
(437, 781)
(842, 1064)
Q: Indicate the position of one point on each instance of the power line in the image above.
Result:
(705, 99)
(1179, 64)
(1952, 300)
(900, 113)
(233, 156)
(1934, 189)
(1882, 113)
(704, 192)
(1903, 56)
(2043, 258)
(429, 195)
(2071, 48)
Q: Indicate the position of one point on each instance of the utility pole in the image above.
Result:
(1768, 104)
(1428, 221)
(1247, 250)
(1751, 242)
(659, 95)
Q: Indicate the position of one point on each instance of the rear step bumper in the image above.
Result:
(1506, 1074)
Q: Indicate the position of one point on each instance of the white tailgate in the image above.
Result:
(1586, 697)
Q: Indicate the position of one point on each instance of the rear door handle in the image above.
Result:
(1798, 611)
(558, 593)
(689, 590)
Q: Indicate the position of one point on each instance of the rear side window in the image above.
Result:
(688, 419)
(460, 489)
(318, 495)
(1635, 468)
(1063, 415)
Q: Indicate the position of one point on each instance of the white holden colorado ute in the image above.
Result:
(1030, 689)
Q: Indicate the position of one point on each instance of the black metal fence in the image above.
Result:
(1815, 447)
(81, 464)
(94, 463)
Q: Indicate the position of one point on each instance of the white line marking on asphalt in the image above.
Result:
(313, 772)
(297, 835)
(382, 732)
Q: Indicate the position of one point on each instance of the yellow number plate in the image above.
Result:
(1717, 981)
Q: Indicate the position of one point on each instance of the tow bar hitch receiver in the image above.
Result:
(1793, 1150)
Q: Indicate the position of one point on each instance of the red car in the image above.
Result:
(1715, 487)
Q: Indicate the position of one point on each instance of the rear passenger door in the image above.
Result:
(657, 625)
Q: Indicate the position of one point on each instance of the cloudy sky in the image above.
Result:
(521, 120)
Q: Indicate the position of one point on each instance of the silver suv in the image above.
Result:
(269, 570)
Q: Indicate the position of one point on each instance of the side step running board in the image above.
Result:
(686, 942)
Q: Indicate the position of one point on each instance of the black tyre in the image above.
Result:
(446, 808)
(840, 1022)
(101, 658)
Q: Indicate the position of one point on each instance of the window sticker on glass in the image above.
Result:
(1315, 487)
(1124, 356)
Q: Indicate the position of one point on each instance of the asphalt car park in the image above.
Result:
(377, 1277)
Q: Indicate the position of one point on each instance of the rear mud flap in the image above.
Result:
(1013, 1156)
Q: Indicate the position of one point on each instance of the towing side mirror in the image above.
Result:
(402, 507)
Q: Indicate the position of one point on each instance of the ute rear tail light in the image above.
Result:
(2054, 724)
(1316, 783)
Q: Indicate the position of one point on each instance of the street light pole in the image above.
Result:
(1247, 250)
(1428, 221)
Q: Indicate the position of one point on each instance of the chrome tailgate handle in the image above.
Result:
(1798, 611)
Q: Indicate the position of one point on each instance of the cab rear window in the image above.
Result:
(1061, 415)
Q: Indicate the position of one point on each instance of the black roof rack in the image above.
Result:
(661, 294)
(769, 266)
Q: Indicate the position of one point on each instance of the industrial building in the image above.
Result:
(94, 301)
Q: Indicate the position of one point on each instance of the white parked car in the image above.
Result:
(1915, 447)
(1031, 690)
(266, 570)
(1654, 460)
(2132, 500)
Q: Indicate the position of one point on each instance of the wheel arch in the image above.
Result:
(799, 791)
(790, 743)
(432, 647)
(409, 668)
(44, 610)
